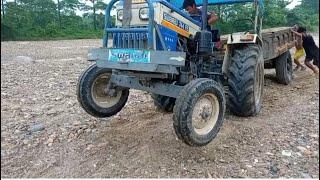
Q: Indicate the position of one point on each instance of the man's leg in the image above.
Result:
(316, 61)
(310, 65)
(298, 63)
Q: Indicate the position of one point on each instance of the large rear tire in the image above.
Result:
(284, 68)
(246, 81)
(92, 95)
(199, 112)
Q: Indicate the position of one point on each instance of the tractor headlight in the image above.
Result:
(120, 14)
(144, 13)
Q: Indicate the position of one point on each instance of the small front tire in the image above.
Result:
(92, 95)
(199, 112)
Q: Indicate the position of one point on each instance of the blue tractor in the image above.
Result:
(156, 47)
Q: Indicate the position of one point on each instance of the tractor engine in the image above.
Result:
(175, 27)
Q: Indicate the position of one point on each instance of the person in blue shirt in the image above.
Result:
(196, 13)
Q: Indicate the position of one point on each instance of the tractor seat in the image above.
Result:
(215, 35)
(216, 39)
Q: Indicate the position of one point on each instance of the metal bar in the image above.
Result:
(134, 40)
(140, 41)
(120, 30)
(161, 38)
(123, 40)
(114, 40)
(151, 24)
(126, 14)
(204, 14)
(161, 88)
(129, 46)
(144, 75)
(107, 20)
(119, 42)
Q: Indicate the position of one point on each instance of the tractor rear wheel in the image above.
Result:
(246, 81)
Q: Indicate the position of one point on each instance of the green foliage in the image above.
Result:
(275, 14)
(234, 18)
(48, 19)
(306, 14)
(44, 19)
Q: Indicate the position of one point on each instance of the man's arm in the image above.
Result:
(296, 33)
(213, 18)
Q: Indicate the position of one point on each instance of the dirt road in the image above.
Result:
(45, 133)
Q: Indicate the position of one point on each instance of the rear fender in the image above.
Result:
(244, 39)
(235, 41)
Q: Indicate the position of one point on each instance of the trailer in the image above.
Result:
(276, 44)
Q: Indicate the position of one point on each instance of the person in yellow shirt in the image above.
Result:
(299, 50)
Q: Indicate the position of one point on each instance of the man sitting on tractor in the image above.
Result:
(195, 13)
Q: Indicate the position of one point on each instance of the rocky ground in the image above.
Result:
(45, 133)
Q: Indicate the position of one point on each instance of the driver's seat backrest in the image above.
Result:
(216, 39)
(215, 35)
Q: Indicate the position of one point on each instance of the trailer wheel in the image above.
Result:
(92, 96)
(199, 112)
(284, 68)
(246, 80)
(163, 103)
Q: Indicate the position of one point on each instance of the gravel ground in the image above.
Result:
(45, 133)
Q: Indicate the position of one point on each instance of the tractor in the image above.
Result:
(157, 47)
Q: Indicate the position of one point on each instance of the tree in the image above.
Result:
(94, 14)
(311, 5)
(2, 7)
(306, 14)
(59, 14)
(275, 13)
(38, 19)
(97, 5)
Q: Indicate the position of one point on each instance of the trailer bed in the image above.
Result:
(276, 41)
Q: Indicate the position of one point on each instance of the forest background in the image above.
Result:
(78, 19)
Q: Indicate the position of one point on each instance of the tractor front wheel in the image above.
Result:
(93, 93)
(199, 112)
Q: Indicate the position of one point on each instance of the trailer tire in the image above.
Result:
(163, 103)
(91, 95)
(246, 81)
(199, 112)
(284, 68)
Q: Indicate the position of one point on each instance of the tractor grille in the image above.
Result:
(130, 40)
